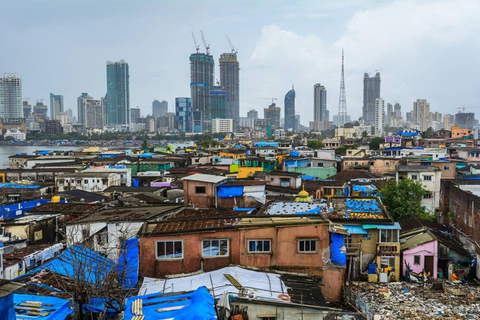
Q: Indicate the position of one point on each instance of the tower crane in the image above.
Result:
(207, 46)
(463, 108)
(232, 47)
(197, 47)
(273, 99)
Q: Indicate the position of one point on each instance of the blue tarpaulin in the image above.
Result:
(362, 206)
(196, 305)
(230, 191)
(98, 305)
(266, 144)
(294, 153)
(312, 211)
(18, 186)
(338, 255)
(58, 309)
(364, 188)
(128, 259)
(7, 312)
(309, 178)
(16, 210)
(394, 226)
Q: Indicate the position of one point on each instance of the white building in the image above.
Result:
(87, 181)
(15, 134)
(94, 114)
(222, 125)
(429, 177)
(11, 105)
(379, 116)
(125, 173)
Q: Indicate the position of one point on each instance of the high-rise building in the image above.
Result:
(272, 116)
(159, 109)
(27, 109)
(94, 114)
(218, 103)
(183, 114)
(379, 116)
(465, 120)
(289, 110)
(230, 80)
(201, 80)
(371, 91)
(389, 115)
(80, 106)
(222, 125)
(447, 121)
(252, 114)
(320, 112)
(134, 115)
(56, 105)
(342, 101)
(421, 114)
(11, 105)
(118, 93)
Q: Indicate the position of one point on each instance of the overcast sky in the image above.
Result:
(423, 49)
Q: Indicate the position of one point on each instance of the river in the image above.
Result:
(6, 151)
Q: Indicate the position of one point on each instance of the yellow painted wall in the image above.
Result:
(232, 155)
(246, 172)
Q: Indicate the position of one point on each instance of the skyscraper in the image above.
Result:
(389, 115)
(80, 106)
(289, 110)
(11, 105)
(320, 112)
(252, 114)
(183, 113)
(421, 114)
(230, 80)
(342, 101)
(371, 91)
(218, 103)
(94, 115)
(201, 80)
(379, 116)
(134, 115)
(272, 115)
(56, 105)
(159, 109)
(118, 93)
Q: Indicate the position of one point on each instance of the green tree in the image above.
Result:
(403, 199)
(364, 134)
(375, 143)
(315, 144)
(427, 134)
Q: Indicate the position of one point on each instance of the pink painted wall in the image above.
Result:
(426, 249)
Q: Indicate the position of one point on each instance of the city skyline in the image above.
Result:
(308, 56)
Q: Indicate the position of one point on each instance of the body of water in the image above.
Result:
(7, 151)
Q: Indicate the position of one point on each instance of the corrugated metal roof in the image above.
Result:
(355, 229)
(394, 226)
(205, 178)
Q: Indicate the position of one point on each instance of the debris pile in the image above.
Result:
(401, 300)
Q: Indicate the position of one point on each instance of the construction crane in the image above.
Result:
(232, 47)
(197, 47)
(463, 108)
(273, 99)
(207, 46)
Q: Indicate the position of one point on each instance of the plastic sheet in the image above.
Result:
(196, 305)
(338, 255)
(59, 309)
(128, 259)
(7, 312)
(230, 192)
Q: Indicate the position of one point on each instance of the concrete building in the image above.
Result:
(56, 105)
(80, 106)
(117, 104)
(222, 125)
(183, 113)
(53, 127)
(465, 120)
(289, 109)
(135, 115)
(252, 114)
(272, 115)
(159, 108)
(379, 116)
(87, 181)
(16, 134)
(421, 114)
(371, 91)
(219, 103)
(201, 81)
(230, 80)
(11, 105)
(94, 115)
(321, 115)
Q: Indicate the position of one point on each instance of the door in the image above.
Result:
(428, 263)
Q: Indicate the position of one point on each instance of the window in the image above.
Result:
(416, 260)
(387, 261)
(259, 246)
(38, 235)
(427, 196)
(305, 246)
(169, 250)
(414, 177)
(446, 168)
(368, 236)
(348, 241)
(388, 235)
(78, 182)
(85, 181)
(200, 190)
(387, 164)
(215, 248)
(320, 164)
(427, 178)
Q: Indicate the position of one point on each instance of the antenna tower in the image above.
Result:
(342, 103)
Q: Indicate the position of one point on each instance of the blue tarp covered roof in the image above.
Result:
(364, 188)
(58, 309)
(196, 305)
(16, 210)
(18, 186)
(355, 229)
(128, 259)
(266, 144)
(230, 191)
(394, 226)
(308, 178)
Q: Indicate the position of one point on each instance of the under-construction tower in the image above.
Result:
(201, 82)
(342, 103)
(230, 81)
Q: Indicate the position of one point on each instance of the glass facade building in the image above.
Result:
(183, 114)
(117, 100)
(11, 104)
(290, 110)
